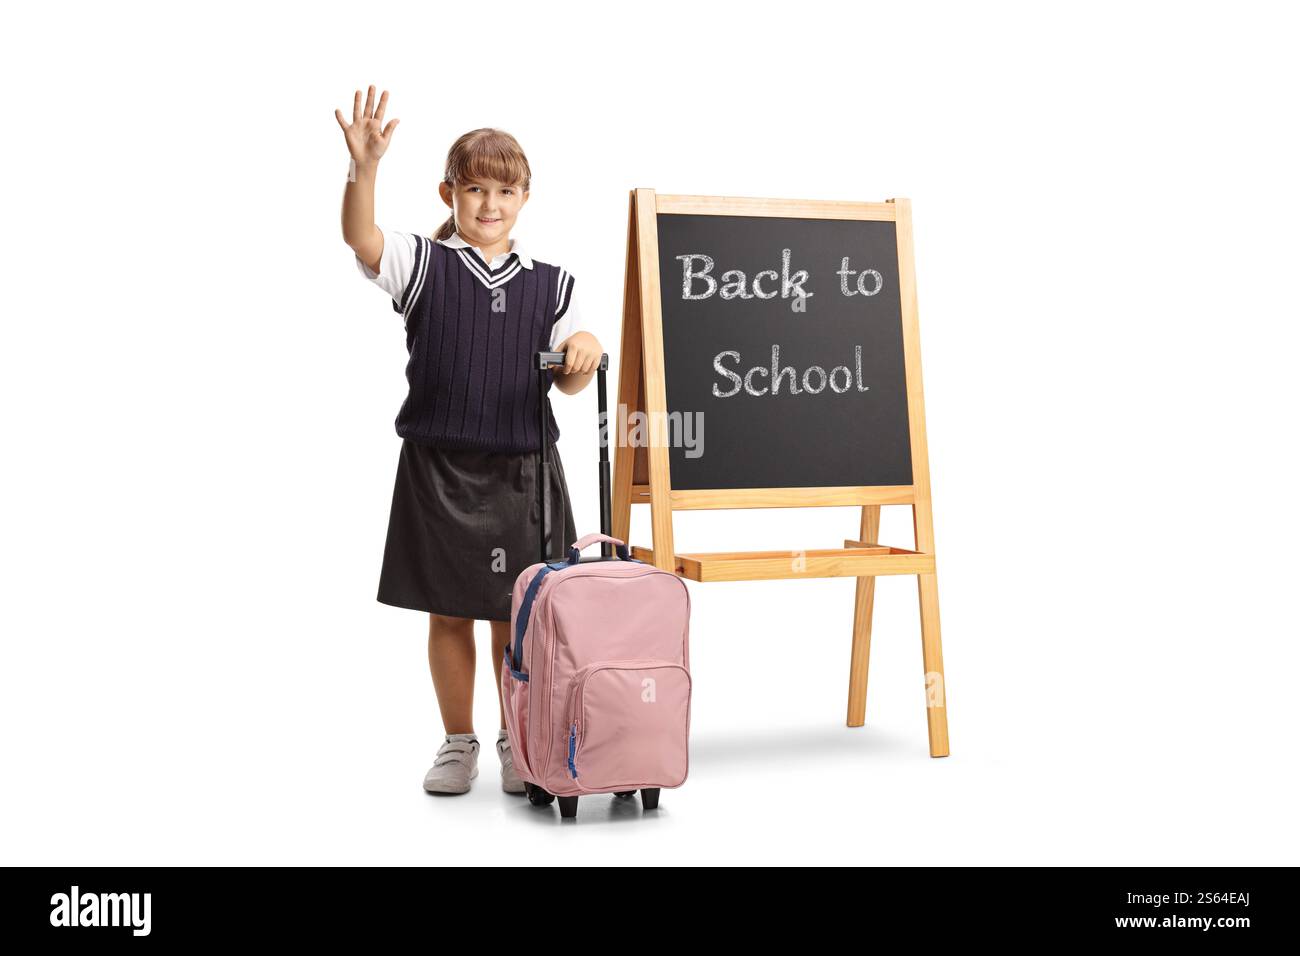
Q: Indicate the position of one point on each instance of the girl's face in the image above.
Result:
(485, 209)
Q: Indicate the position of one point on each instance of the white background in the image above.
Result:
(199, 390)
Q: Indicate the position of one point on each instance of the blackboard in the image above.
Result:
(846, 427)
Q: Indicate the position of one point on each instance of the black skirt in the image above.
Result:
(463, 524)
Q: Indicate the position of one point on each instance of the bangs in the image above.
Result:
(491, 156)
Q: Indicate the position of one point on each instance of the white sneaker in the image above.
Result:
(510, 781)
(455, 765)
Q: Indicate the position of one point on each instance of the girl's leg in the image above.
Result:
(451, 663)
(500, 641)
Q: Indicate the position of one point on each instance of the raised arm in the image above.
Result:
(367, 140)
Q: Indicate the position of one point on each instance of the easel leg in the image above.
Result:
(863, 601)
(936, 709)
(629, 384)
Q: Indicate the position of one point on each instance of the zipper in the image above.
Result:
(573, 744)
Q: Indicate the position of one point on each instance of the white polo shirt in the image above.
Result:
(398, 259)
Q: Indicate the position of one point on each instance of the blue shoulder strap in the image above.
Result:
(525, 609)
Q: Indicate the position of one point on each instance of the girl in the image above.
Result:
(477, 309)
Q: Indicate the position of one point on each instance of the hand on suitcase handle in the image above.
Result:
(575, 549)
(547, 359)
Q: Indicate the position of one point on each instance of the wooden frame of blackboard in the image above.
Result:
(642, 473)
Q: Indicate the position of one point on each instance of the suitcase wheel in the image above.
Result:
(568, 807)
(650, 798)
(625, 794)
(537, 796)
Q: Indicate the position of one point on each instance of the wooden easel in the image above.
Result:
(641, 473)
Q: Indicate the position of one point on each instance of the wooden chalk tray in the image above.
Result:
(856, 559)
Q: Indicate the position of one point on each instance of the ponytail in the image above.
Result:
(446, 229)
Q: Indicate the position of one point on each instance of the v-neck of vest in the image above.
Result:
(492, 278)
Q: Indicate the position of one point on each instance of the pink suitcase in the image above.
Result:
(596, 680)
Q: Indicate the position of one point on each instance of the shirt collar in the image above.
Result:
(455, 241)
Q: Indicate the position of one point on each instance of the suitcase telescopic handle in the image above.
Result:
(545, 360)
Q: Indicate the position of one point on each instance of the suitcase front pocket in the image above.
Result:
(628, 725)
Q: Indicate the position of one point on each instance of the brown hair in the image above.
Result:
(486, 153)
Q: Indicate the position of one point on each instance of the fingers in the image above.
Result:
(577, 357)
(580, 360)
(388, 132)
(338, 115)
(369, 111)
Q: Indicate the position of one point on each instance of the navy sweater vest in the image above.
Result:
(472, 336)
